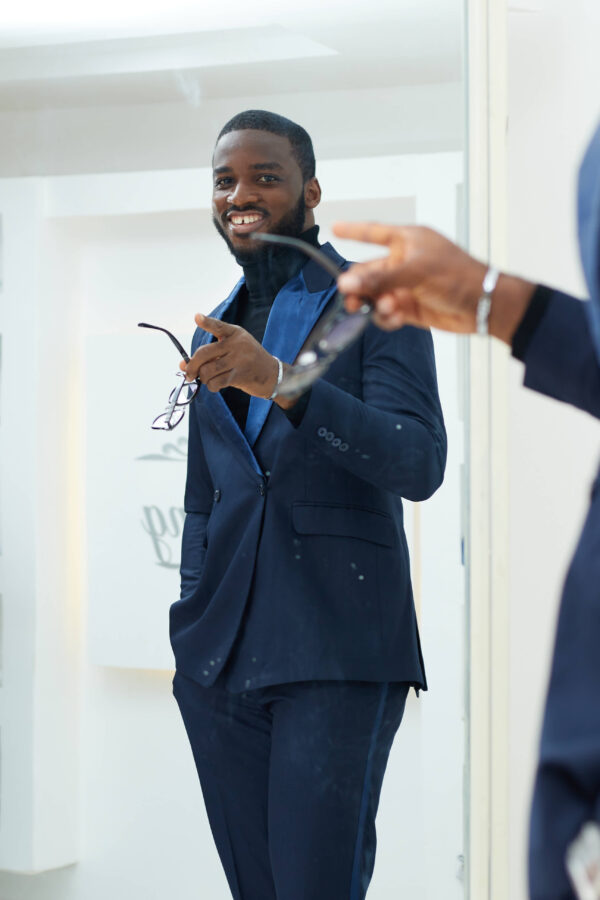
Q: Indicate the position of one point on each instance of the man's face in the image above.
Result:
(258, 186)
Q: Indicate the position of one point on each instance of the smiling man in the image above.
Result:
(290, 190)
(295, 636)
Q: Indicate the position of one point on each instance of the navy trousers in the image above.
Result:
(291, 776)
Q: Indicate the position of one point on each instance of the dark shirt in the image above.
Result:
(530, 321)
(264, 279)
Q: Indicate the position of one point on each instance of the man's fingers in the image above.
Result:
(204, 354)
(353, 303)
(214, 367)
(189, 369)
(371, 232)
(206, 372)
(373, 278)
(220, 381)
(214, 326)
(390, 323)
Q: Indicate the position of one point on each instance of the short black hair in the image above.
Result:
(261, 120)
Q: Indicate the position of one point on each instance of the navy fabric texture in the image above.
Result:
(530, 321)
(294, 560)
(291, 777)
(562, 361)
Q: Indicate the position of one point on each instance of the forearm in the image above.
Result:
(511, 298)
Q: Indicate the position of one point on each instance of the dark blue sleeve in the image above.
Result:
(567, 788)
(560, 357)
(394, 437)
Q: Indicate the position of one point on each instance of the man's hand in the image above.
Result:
(427, 281)
(235, 359)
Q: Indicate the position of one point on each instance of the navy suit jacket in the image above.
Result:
(563, 361)
(294, 559)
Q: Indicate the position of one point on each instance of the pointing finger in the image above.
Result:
(214, 326)
(374, 278)
(371, 232)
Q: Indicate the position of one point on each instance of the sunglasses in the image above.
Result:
(335, 332)
(182, 394)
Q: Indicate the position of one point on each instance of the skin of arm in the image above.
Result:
(427, 281)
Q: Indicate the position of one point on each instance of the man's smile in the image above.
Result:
(240, 223)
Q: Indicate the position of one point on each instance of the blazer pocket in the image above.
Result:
(344, 521)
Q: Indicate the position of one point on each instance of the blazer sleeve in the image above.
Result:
(560, 358)
(567, 788)
(198, 505)
(394, 437)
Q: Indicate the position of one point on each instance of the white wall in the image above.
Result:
(554, 72)
(421, 118)
(138, 830)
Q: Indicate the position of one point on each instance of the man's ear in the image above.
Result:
(312, 193)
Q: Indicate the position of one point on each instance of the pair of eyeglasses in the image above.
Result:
(336, 331)
(182, 394)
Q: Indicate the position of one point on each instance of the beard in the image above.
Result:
(292, 225)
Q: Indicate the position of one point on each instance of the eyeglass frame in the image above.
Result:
(317, 357)
(174, 402)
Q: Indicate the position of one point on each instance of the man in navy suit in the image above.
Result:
(427, 281)
(295, 636)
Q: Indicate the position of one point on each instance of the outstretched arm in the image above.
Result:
(427, 281)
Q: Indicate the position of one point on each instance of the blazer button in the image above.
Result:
(262, 489)
(217, 495)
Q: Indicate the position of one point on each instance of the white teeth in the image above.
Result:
(245, 220)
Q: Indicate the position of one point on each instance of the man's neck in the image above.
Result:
(275, 266)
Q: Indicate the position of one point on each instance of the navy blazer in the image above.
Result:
(562, 361)
(294, 559)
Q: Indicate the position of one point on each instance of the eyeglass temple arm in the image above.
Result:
(172, 336)
(311, 251)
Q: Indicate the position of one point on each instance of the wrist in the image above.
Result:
(278, 378)
(484, 303)
(286, 402)
(510, 300)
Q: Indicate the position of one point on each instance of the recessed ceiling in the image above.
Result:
(73, 63)
(148, 85)
(35, 22)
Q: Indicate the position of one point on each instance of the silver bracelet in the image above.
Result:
(484, 304)
(279, 377)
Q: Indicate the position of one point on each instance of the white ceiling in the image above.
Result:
(133, 53)
(33, 22)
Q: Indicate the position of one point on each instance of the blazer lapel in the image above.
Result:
(589, 230)
(293, 315)
(220, 414)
